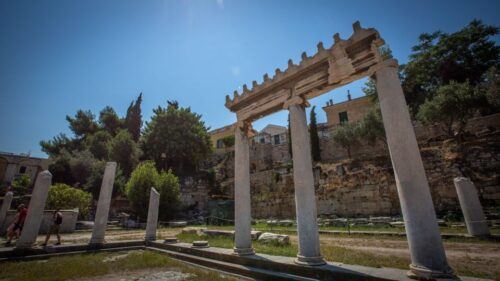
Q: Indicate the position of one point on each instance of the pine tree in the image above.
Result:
(133, 120)
(313, 134)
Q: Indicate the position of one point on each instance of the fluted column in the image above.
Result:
(305, 198)
(242, 207)
(471, 207)
(35, 210)
(102, 213)
(152, 223)
(428, 259)
(7, 200)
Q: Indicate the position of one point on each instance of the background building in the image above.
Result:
(12, 166)
(351, 110)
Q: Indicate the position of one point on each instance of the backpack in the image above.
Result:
(58, 218)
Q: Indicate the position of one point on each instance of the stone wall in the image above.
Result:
(364, 185)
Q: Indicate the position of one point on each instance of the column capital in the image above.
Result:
(392, 63)
(246, 128)
(296, 100)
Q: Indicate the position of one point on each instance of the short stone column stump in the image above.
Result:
(170, 240)
(200, 244)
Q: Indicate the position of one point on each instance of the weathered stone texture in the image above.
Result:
(365, 185)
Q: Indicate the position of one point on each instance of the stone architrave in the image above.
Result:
(471, 207)
(35, 210)
(101, 216)
(7, 200)
(152, 223)
(305, 198)
(242, 207)
(428, 259)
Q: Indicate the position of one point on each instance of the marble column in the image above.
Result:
(35, 210)
(305, 198)
(101, 215)
(152, 223)
(428, 259)
(7, 200)
(242, 209)
(471, 207)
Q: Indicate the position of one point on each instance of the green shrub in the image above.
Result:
(22, 184)
(63, 196)
(139, 186)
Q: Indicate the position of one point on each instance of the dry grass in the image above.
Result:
(92, 265)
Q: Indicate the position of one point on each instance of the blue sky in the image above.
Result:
(60, 56)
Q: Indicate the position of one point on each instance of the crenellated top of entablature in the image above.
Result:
(326, 68)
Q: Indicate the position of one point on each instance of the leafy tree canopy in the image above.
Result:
(452, 106)
(83, 123)
(440, 58)
(62, 196)
(176, 139)
(346, 135)
(138, 188)
(124, 151)
(109, 120)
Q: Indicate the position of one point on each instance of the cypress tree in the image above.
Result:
(313, 134)
(133, 119)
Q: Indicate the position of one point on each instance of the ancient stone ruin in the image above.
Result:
(346, 61)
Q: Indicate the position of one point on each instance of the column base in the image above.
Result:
(310, 261)
(23, 246)
(150, 238)
(422, 273)
(244, 251)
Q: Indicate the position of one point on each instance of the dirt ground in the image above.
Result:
(480, 256)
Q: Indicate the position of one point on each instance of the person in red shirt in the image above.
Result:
(17, 225)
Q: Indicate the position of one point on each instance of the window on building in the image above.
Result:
(22, 170)
(343, 117)
(262, 140)
(277, 139)
(220, 143)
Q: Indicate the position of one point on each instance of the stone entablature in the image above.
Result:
(344, 62)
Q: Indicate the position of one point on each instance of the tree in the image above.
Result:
(313, 135)
(21, 184)
(228, 141)
(109, 120)
(452, 106)
(60, 142)
(62, 196)
(440, 58)
(177, 134)
(124, 151)
(346, 135)
(133, 119)
(83, 124)
(94, 182)
(60, 168)
(371, 127)
(81, 164)
(97, 144)
(491, 89)
(139, 186)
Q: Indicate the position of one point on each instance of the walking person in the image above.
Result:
(17, 225)
(54, 228)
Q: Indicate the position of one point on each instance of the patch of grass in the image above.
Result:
(92, 265)
(467, 267)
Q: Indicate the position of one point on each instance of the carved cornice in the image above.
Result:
(345, 61)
